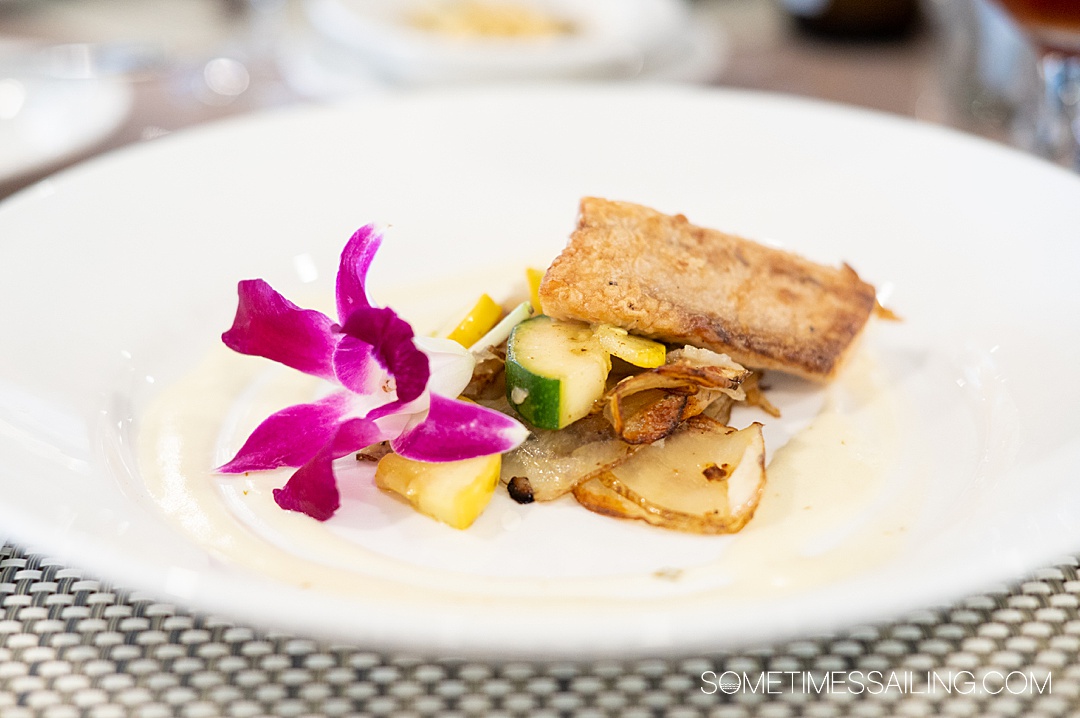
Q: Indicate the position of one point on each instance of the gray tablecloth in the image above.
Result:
(71, 645)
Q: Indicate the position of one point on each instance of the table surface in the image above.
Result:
(757, 48)
(74, 645)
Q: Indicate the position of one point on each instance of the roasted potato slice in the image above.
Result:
(706, 478)
(552, 461)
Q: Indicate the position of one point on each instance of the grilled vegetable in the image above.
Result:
(454, 492)
(502, 330)
(706, 478)
(554, 461)
(639, 351)
(555, 371)
(646, 407)
(477, 322)
(534, 276)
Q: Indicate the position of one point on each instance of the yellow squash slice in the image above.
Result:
(454, 492)
(477, 322)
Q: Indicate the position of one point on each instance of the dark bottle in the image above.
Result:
(854, 19)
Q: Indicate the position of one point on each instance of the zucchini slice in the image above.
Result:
(555, 371)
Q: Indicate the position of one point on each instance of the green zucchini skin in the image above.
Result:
(555, 371)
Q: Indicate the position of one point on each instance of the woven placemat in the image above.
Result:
(75, 646)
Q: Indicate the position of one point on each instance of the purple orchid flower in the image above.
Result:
(391, 386)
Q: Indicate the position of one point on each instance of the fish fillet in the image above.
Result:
(659, 276)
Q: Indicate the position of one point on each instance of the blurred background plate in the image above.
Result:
(421, 41)
(46, 119)
(50, 120)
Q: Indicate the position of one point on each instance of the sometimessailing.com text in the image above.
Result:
(856, 682)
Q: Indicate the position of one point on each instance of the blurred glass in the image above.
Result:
(1053, 27)
(985, 63)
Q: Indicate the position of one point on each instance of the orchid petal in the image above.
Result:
(352, 271)
(357, 433)
(290, 437)
(455, 430)
(451, 365)
(390, 408)
(392, 347)
(269, 325)
(396, 387)
(393, 423)
(357, 368)
(312, 490)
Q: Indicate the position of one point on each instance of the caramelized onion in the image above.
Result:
(755, 395)
(646, 407)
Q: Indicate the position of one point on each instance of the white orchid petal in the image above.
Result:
(450, 363)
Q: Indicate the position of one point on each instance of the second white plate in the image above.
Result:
(46, 120)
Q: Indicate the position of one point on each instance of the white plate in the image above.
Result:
(613, 38)
(326, 71)
(120, 276)
(46, 120)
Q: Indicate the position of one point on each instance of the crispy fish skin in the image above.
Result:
(660, 276)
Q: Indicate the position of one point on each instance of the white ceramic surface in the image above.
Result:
(120, 275)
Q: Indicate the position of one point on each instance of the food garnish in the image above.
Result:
(389, 385)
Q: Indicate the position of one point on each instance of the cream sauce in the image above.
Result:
(834, 507)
